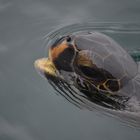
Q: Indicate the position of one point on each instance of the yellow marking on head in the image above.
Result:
(98, 87)
(108, 87)
(56, 51)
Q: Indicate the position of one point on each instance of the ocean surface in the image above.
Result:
(30, 109)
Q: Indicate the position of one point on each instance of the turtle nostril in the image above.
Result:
(68, 39)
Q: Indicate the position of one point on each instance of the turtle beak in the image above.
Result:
(45, 67)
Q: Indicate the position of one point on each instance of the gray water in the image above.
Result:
(29, 107)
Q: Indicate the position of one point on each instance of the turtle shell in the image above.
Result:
(102, 61)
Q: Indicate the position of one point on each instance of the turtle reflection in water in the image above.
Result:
(91, 66)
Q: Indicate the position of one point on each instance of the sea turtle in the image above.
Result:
(96, 65)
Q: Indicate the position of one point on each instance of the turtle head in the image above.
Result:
(46, 68)
(62, 53)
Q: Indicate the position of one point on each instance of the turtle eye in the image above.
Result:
(68, 39)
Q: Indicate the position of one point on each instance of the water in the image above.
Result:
(29, 107)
